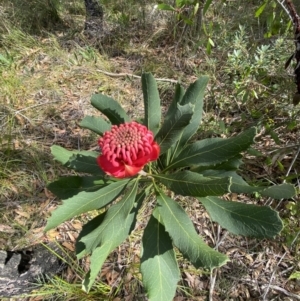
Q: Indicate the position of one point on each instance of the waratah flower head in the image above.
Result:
(126, 149)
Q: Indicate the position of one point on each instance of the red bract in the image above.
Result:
(126, 149)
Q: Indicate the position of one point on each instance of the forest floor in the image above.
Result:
(47, 83)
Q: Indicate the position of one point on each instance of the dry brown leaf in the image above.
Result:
(69, 246)
(6, 229)
(52, 234)
(22, 213)
(77, 225)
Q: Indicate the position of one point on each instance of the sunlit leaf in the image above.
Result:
(295, 275)
(80, 161)
(213, 151)
(184, 236)
(260, 9)
(96, 124)
(151, 103)
(110, 108)
(84, 202)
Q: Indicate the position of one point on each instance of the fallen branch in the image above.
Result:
(135, 76)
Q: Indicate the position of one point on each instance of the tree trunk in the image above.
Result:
(93, 26)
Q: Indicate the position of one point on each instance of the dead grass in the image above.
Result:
(45, 92)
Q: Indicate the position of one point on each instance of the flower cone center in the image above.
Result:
(126, 143)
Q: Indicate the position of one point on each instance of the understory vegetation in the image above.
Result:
(49, 70)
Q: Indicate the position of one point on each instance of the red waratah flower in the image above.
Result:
(126, 149)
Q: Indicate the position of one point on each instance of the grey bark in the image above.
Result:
(23, 271)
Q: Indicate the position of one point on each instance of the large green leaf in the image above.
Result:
(85, 201)
(86, 229)
(193, 95)
(93, 224)
(158, 263)
(118, 232)
(61, 154)
(80, 161)
(239, 185)
(172, 128)
(243, 219)
(114, 219)
(231, 164)
(110, 108)
(96, 124)
(151, 103)
(97, 259)
(66, 187)
(184, 236)
(189, 183)
(213, 151)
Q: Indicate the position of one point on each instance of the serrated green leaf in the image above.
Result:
(67, 187)
(118, 235)
(189, 183)
(97, 259)
(193, 95)
(239, 185)
(86, 229)
(230, 165)
(184, 236)
(114, 219)
(110, 108)
(158, 263)
(85, 161)
(151, 103)
(95, 222)
(179, 93)
(213, 151)
(96, 124)
(173, 127)
(281, 191)
(243, 219)
(80, 161)
(84, 202)
(61, 154)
